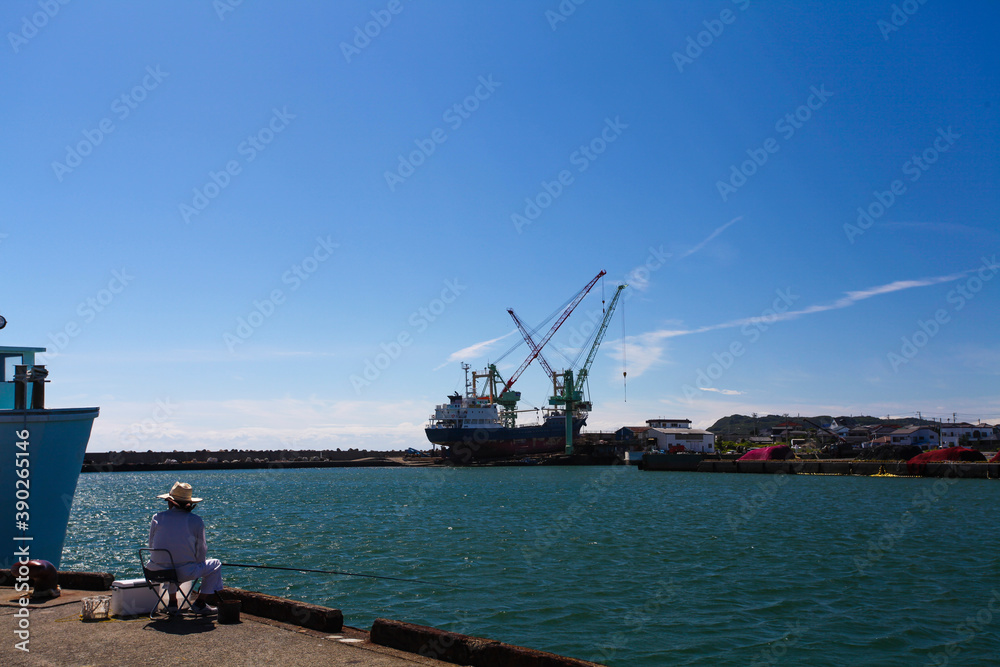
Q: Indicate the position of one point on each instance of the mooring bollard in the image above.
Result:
(229, 611)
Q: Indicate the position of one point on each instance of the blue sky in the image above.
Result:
(216, 215)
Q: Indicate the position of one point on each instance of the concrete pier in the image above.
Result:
(271, 631)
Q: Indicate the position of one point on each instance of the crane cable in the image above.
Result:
(624, 366)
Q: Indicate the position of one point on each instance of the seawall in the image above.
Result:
(959, 469)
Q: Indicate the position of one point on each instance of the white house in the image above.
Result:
(692, 439)
(923, 436)
(951, 434)
(840, 429)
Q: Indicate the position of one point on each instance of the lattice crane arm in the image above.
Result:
(581, 376)
(562, 318)
(530, 340)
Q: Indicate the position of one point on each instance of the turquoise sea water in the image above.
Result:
(608, 564)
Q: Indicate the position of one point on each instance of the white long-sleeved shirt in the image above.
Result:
(183, 533)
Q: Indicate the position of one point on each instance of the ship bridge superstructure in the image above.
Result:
(466, 412)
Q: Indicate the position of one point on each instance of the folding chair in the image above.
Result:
(166, 582)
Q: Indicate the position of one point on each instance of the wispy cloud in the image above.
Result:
(473, 351)
(845, 301)
(711, 236)
(648, 347)
(262, 424)
(724, 392)
(639, 277)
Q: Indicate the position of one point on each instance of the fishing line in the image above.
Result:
(350, 574)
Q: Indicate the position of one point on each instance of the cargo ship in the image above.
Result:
(482, 423)
(41, 454)
(474, 427)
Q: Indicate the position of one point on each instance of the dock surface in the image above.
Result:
(58, 636)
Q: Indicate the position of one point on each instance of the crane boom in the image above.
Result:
(839, 437)
(562, 318)
(572, 398)
(530, 340)
(581, 376)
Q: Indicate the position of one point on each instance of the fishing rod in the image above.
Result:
(350, 574)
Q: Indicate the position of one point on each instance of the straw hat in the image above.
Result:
(180, 492)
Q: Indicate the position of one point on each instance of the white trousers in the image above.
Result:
(210, 572)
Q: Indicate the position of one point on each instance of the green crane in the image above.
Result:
(572, 397)
(505, 397)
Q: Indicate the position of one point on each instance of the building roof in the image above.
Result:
(683, 431)
(910, 429)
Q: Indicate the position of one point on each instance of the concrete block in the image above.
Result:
(463, 649)
(422, 640)
(303, 614)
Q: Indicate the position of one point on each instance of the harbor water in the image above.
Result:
(603, 563)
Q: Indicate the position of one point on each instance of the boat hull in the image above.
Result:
(56, 443)
(503, 442)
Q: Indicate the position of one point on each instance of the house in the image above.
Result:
(856, 435)
(670, 435)
(882, 430)
(839, 427)
(691, 439)
(952, 434)
(785, 431)
(924, 437)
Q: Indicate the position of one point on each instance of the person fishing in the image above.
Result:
(182, 532)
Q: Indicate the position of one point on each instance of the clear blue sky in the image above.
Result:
(171, 168)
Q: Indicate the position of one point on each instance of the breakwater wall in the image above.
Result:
(836, 467)
(235, 459)
(235, 465)
(234, 455)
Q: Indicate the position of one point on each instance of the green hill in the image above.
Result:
(744, 425)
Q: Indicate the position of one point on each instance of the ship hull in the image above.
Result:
(55, 444)
(502, 442)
